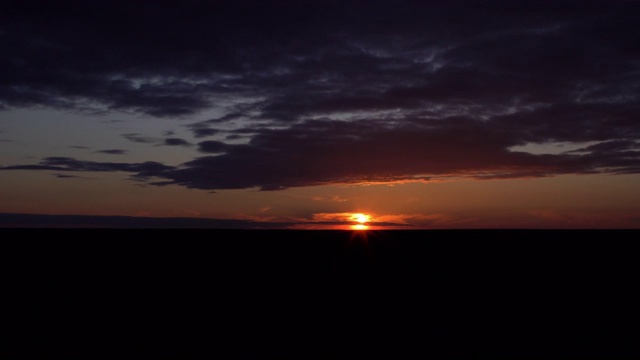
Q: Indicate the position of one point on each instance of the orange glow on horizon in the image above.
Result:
(359, 227)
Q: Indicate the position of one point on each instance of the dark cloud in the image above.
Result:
(204, 132)
(78, 147)
(327, 152)
(141, 171)
(36, 167)
(139, 222)
(212, 146)
(223, 119)
(343, 91)
(322, 152)
(137, 138)
(148, 167)
(112, 152)
(176, 142)
(233, 137)
(127, 222)
(311, 56)
(203, 128)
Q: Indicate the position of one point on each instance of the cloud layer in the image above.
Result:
(322, 92)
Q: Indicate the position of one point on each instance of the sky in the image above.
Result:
(300, 114)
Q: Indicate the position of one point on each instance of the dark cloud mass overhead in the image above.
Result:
(340, 91)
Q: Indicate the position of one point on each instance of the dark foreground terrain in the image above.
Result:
(215, 294)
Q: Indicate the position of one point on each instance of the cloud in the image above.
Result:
(141, 139)
(331, 152)
(140, 171)
(211, 146)
(342, 91)
(330, 198)
(372, 56)
(37, 167)
(112, 152)
(176, 142)
(612, 147)
(204, 132)
(323, 152)
(127, 222)
(203, 128)
(137, 138)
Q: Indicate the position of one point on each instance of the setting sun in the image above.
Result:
(361, 219)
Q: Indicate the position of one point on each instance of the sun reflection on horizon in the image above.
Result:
(360, 227)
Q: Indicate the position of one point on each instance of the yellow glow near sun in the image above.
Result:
(359, 227)
(361, 218)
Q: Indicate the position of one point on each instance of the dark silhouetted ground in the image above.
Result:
(215, 294)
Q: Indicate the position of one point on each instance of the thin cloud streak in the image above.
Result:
(112, 152)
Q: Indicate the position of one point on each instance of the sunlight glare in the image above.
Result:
(361, 218)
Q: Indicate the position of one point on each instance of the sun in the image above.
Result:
(361, 219)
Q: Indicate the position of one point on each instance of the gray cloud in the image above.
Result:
(200, 132)
(176, 142)
(137, 138)
(140, 171)
(112, 121)
(112, 152)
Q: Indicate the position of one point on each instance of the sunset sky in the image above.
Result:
(299, 114)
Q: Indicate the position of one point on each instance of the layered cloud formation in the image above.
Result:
(324, 92)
